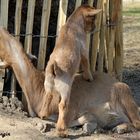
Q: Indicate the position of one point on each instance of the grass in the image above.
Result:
(131, 9)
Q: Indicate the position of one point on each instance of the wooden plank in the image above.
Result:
(17, 32)
(113, 11)
(44, 32)
(102, 45)
(4, 13)
(90, 2)
(95, 40)
(111, 50)
(88, 36)
(29, 26)
(62, 14)
(18, 18)
(4, 4)
(106, 34)
(111, 39)
(78, 3)
(119, 42)
(2, 72)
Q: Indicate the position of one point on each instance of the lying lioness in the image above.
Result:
(69, 51)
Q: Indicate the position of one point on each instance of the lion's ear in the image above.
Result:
(93, 12)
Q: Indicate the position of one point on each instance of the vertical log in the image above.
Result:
(107, 33)
(78, 3)
(111, 50)
(29, 26)
(4, 4)
(119, 43)
(102, 46)
(90, 2)
(88, 36)
(18, 18)
(62, 13)
(1, 81)
(95, 40)
(4, 13)
(44, 33)
(114, 11)
(17, 32)
(112, 29)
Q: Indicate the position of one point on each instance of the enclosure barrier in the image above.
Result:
(105, 44)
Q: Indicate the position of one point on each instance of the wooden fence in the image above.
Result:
(105, 44)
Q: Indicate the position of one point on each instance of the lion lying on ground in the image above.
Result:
(104, 102)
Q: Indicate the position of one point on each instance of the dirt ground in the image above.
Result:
(15, 125)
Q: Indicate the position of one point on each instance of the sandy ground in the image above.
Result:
(15, 125)
(131, 73)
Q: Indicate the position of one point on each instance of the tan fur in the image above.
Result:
(104, 100)
(69, 51)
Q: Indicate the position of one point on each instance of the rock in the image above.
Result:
(8, 104)
(1, 100)
(40, 126)
(5, 100)
(8, 109)
(44, 127)
(89, 127)
(20, 105)
(13, 107)
(13, 100)
(25, 114)
(16, 103)
(1, 105)
(19, 109)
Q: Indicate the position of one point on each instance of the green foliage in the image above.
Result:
(130, 11)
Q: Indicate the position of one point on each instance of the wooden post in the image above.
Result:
(88, 36)
(18, 18)
(106, 33)
(95, 40)
(44, 33)
(112, 30)
(78, 3)
(2, 73)
(29, 26)
(4, 4)
(4, 13)
(119, 43)
(17, 32)
(115, 47)
(62, 13)
(102, 46)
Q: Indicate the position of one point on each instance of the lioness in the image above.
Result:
(69, 51)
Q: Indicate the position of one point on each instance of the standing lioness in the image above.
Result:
(69, 51)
